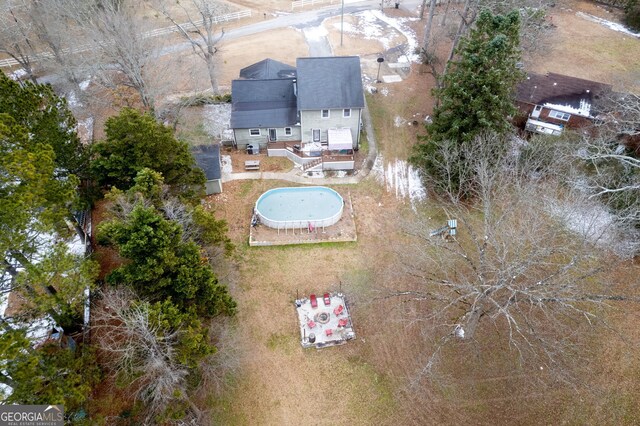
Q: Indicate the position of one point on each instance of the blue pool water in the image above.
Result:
(298, 207)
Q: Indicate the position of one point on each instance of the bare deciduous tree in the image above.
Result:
(526, 263)
(17, 38)
(612, 155)
(59, 36)
(427, 29)
(200, 30)
(533, 26)
(142, 352)
(123, 50)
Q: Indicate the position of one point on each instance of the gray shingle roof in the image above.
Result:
(559, 89)
(208, 159)
(263, 103)
(267, 69)
(329, 82)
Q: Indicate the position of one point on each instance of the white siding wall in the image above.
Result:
(313, 120)
(213, 186)
(244, 138)
(338, 165)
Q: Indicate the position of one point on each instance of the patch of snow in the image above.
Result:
(373, 25)
(347, 27)
(593, 222)
(72, 100)
(315, 33)
(417, 191)
(76, 246)
(87, 307)
(611, 25)
(227, 135)
(399, 121)
(368, 27)
(217, 119)
(85, 84)
(315, 174)
(5, 390)
(225, 160)
(584, 110)
(378, 169)
(4, 303)
(17, 74)
(384, 91)
(85, 129)
(340, 173)
(400, 178)
(38, 330)
(407, 32)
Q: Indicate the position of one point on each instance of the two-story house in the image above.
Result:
(552, 102)
(330, 96)
(310, 113)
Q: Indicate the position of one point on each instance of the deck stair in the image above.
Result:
(312, 164)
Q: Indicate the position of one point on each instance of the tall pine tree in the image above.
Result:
(476, 96)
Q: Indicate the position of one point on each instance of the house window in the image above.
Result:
(254, 132)
(559, 115)
(287, 131)
(325, 113)
(316, 135)
(346, 113)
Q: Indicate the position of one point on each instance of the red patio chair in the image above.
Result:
(314, 301)
(327, 299)
(343, 322)
(337, 311)
(328, 332)
(311, 323)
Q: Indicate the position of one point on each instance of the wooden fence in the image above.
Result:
(303, 3)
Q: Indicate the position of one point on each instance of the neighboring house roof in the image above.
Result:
(557, 91)
(268, 69)
(329, 82)
(208, 159)
(263, 103)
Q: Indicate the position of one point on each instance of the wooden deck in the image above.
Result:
(343, 231)
(294, 147)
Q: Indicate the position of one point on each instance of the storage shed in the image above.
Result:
(208, 159)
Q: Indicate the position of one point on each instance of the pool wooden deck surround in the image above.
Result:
(343, 231)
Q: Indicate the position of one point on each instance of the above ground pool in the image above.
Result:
(302, 207)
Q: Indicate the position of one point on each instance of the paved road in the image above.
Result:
(301, 20)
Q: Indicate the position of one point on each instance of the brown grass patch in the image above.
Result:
(586, 49)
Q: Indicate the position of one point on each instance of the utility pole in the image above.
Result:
(342, 23)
